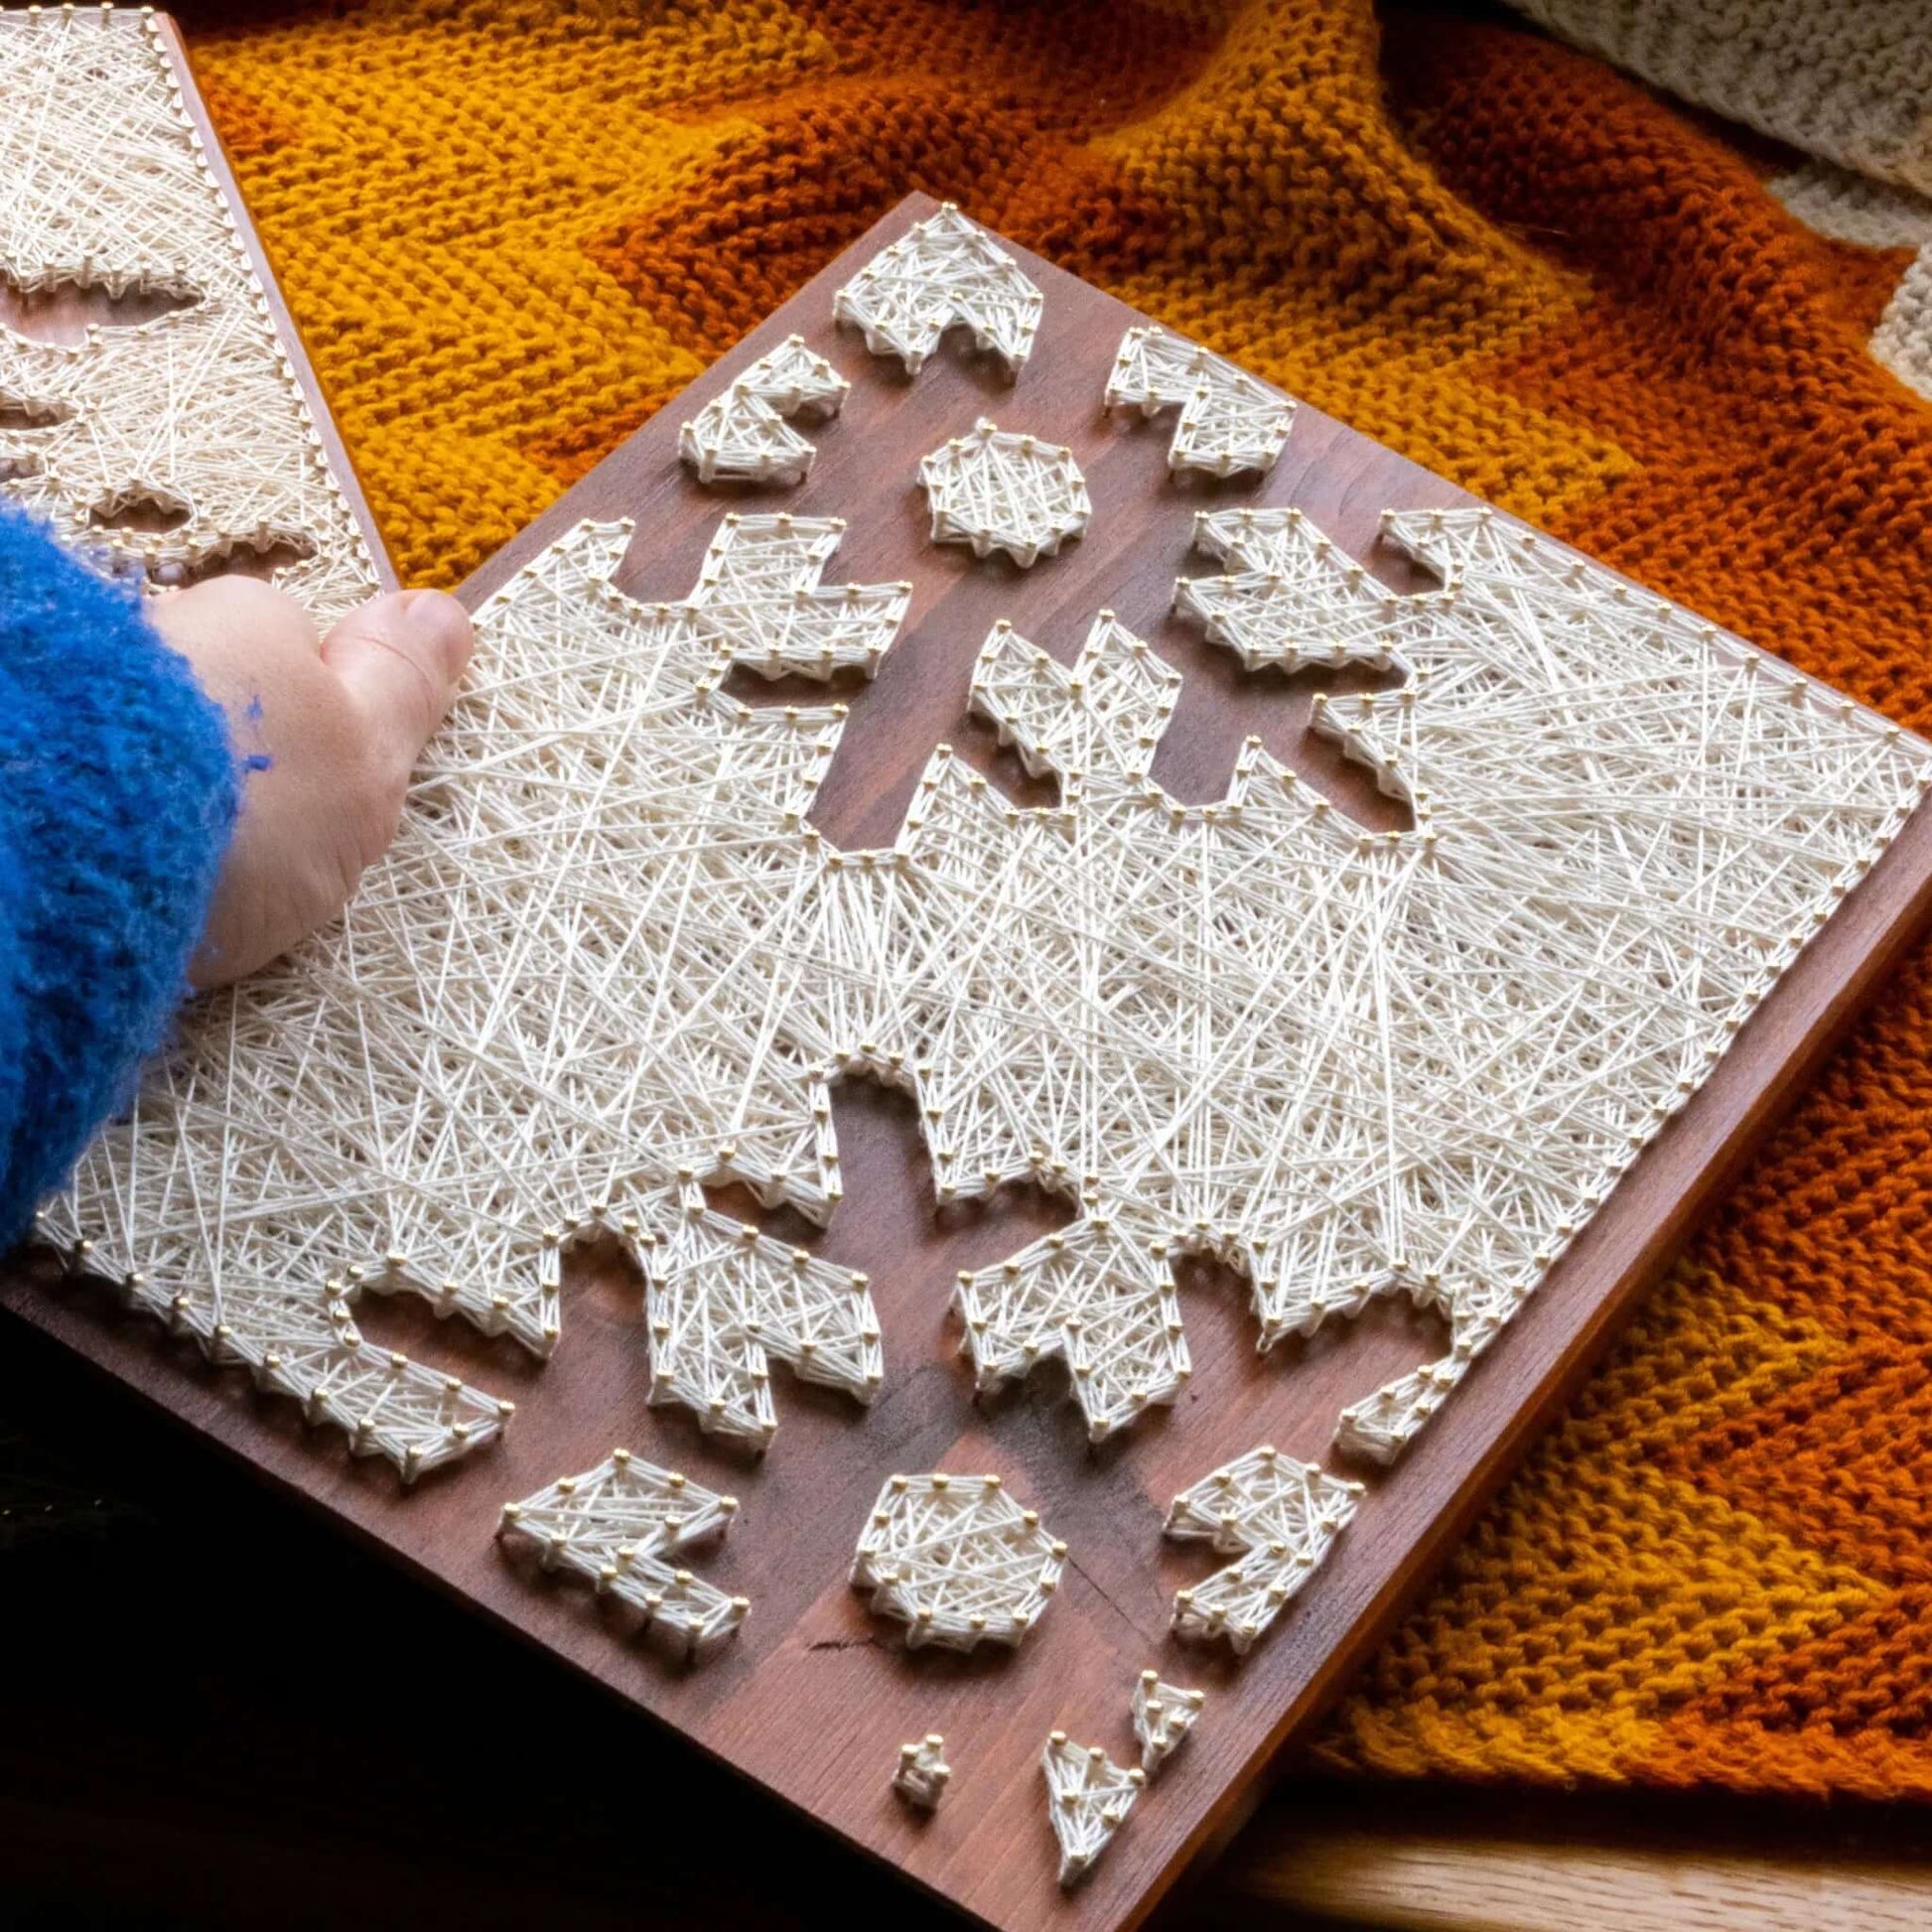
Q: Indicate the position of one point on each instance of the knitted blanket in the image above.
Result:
(510, 229)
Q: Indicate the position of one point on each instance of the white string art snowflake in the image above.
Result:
(947, 272)
(1230, 421)
(1279, 1516)
(1164, 1714)
(195, 413)
(957, 1561)
(1088, 1797)
(997, 489)
(609, 962)
(742, 435)
(618, 1525)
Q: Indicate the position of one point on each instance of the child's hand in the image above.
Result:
(330, 730)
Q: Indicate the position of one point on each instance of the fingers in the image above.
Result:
(399, 658)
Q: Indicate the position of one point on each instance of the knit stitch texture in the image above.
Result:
(511, 230)
(119, 795)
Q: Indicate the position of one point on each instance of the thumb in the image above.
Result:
(400, 659)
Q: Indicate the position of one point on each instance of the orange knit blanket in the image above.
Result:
(510, 229)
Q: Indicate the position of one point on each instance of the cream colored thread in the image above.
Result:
(106, 185)
(1164, 1714)
(742, 436)
(618, 1525)
(1229, 421)
(510, 1040)
(1279, 1517)
(609, 961)
(1088, 1797)
(922, 1773)
(998, 491)
(957, 1561)
(947, 272)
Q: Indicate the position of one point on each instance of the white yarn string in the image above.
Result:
(1164, 1714)
(1229, 421)
(609, 962)
(957, 1561)
(947, 272)
(921, 1775)
(1088, 1797)
(997, 489)
(1279, 1517)
(618, 1525)
(104, 184)
(742, 436)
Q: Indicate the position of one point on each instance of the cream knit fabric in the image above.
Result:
(1849, 83)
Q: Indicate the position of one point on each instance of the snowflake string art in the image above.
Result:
(1279, 1517)
(1230, 422)
(617, 1525)
(1088, 1797)
(947, 272)
(742, 436)
(956, 1560)
(1346, 1064)
(998, 491)
(1164, 1714)
(196, 414)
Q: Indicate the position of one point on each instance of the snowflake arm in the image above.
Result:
(1229, 423)
(742, 436)
(618, 1526)
(947, 271)
(1278, 1518)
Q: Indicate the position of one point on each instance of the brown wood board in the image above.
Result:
(814, 1697)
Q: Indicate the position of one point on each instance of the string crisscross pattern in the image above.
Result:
(1279, 1517)
(198, 413)
(618, 1525)
(997, 489)
(1088, 1797)
(564, 999)
(957, 1561)
(1230, 421)
(947, 272)
(1348, 1063)
(609, 962)
(742, 436)
(1164, 1714)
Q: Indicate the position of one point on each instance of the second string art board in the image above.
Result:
(947, 914)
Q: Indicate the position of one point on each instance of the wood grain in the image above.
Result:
(1462, 1860)
(1454, 1884)
(814, 1698)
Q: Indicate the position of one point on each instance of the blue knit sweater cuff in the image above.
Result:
(118, 799)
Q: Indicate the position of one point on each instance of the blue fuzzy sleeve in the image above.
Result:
(117, 797)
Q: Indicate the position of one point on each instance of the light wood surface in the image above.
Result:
(814, 1697)
(1431, 1859)
(1451, 1884)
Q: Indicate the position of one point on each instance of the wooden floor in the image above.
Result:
(362, 1754)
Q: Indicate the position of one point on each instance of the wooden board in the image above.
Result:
(62, 316)
(814, 1697)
